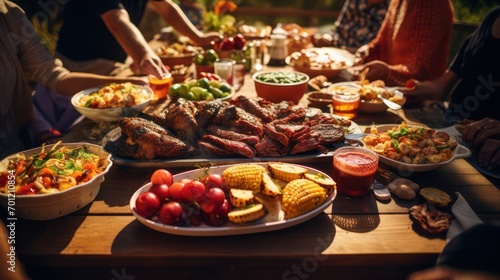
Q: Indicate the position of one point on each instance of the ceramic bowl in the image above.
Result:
(54, 205)
(276, 91)
(110, 114)
(319, 99)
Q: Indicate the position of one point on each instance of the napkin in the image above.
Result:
(464, 217)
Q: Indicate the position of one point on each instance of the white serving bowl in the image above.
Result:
(109, 114)
(50, 206)
(459, 152)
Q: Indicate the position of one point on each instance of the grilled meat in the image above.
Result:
(241, 127)
(230, 145)
(233, 135)
(151, 139)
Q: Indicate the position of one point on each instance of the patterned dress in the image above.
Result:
(359, 22)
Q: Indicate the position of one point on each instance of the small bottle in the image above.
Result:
(278, 50)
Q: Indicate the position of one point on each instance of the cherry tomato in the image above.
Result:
(218, 217)
(212, 199)
(185, 180)
(162, 176)
(26, 189)
(213, 181)
(175, 192)
(161, 190)
(193, 190)
(171, 213)
(47, 181)
(147, 204)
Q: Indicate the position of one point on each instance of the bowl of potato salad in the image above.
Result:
(112, 102)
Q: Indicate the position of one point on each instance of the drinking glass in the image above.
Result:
(161, 86)
(224, 68)
(346, 104)
(353, 170)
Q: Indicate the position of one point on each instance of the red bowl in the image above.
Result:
(277, 92)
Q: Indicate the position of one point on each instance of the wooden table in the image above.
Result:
(353, 239)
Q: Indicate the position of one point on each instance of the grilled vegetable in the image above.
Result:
(247, 214)
(240, 198)
(323, 181)
(244, 176)
(269, 187)
(286, 172)
(301, 196)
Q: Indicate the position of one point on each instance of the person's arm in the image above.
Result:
(132, 41)
(431, 90)
(75, 81)
(173, 14)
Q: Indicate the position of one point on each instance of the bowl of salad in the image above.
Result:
(112, 102)
(277, 86)
(52, 181)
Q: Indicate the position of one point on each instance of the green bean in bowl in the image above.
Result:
(281, 77)
(277, 86)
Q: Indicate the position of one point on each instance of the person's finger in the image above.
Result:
(489, 155)
(488, 129)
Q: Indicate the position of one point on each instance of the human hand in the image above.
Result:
(151, 64)
(373, 70)
(442, 273)
(361, 54)
(210, 38)
(477, 132)
(489, 154)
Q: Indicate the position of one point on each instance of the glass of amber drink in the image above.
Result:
(161, 86)
(346, 104)
(353, 170)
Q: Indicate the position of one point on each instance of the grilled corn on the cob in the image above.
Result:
(301, 196)
(240, 198)
(323, 181)
(269, 187)
(247, 214)
(244, 176)
(286, 172)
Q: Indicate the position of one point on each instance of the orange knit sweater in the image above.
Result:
(414, 40)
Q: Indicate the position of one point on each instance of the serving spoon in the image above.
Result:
(390, 104)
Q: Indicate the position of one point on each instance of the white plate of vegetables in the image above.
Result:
(251, 198)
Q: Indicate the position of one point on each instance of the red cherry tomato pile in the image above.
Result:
(185, 202)
(236, 42)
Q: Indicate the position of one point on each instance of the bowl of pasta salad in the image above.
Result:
(52, 181)
(112, 102)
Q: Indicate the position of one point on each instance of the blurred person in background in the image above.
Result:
(472, 83)
(97, 36)
(193, 11)
(359, 22)
(413, 42)
(22, 56)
